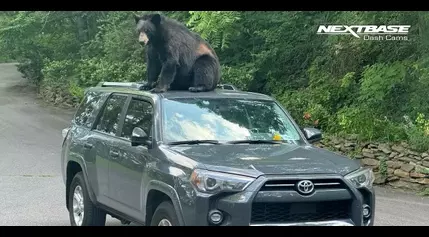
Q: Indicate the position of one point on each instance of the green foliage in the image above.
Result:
(76, 91)
(94, 70)
(418, 132)
(58, 72)
(383, 83)
(240, 77)
(340, 84)
(218, 27)
(364, 122)
(383, 167)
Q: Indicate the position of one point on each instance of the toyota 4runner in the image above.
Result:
(219, 158)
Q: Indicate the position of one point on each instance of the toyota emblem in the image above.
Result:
(305, 186)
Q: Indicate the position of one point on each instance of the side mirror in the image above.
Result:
(312, 134)
(139, 137)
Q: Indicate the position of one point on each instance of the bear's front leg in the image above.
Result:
(154, 67)
(168, 73)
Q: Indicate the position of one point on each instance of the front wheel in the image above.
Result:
(82, 212)
(165, 215)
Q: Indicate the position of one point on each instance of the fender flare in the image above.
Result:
(82, 165)
(171, 193)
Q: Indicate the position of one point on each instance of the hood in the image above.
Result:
(275, 159)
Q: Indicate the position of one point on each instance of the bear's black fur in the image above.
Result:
(181, 58)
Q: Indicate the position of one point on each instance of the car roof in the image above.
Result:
(216, 94)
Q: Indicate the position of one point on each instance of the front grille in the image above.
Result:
(286, 185)
(300, 212)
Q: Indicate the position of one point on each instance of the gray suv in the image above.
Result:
(216, 158)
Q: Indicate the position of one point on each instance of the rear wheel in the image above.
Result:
(82, 212)
(165, 215)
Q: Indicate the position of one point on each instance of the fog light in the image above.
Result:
(215, 217)
(366, 211)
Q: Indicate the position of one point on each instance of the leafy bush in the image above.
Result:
(363, 121)
(58, 73)
(94, 70)
(418, 132)
(76, 91)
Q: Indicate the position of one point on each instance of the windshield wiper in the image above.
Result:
(191, 142)
(255, 142)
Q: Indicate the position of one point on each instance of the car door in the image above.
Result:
(103, 142)
(126, 172)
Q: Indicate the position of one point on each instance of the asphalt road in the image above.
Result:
(31, 187)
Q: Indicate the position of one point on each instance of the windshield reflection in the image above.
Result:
(225, 120)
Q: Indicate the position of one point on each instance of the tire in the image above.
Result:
(92, 216)
(166, 213)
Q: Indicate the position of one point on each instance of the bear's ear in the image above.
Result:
(136, 18)
(156, 19)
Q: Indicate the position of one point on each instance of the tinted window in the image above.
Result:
(109, 120)
(87, 111)
(139, 114)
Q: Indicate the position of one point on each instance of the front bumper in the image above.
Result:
(335, 202)
(316, 223)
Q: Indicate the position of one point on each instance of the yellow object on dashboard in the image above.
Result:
(277, 137)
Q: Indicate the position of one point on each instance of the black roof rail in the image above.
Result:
(133, 85)
(138, 85)
(227, 87)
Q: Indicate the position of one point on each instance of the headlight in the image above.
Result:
(215, 182)
(363, 177)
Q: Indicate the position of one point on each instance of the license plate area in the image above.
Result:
(303, 208)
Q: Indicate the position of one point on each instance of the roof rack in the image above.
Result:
(138, 85)
(134, 85)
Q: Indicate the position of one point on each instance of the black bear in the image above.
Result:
(181, 58)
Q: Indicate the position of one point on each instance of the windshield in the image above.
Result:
(225, 120)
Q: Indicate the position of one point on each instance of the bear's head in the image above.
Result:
(147, 27)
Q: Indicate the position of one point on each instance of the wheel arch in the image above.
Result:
(157, 193)
(74, 167)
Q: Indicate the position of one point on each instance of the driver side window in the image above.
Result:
(139, 114)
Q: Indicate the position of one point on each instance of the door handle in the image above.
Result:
(87, 146)
(114, 153)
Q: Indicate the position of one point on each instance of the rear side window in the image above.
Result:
(87, 111)
(109, 120)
